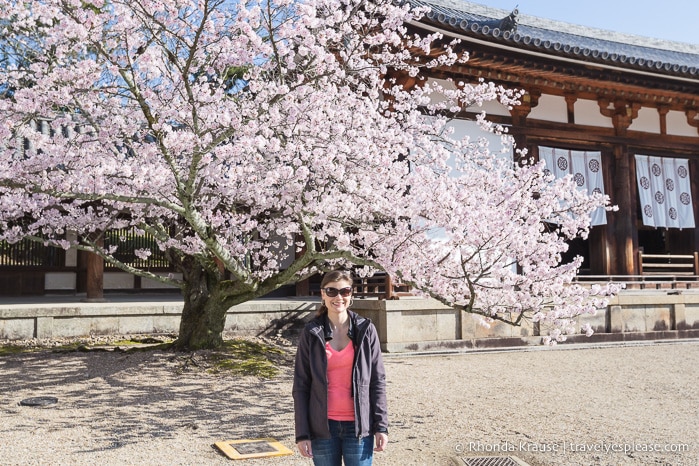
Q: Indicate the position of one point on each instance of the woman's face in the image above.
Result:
(338, 303)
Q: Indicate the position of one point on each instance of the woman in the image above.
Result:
(339, 382)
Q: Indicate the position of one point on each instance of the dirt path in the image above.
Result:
(547, 407)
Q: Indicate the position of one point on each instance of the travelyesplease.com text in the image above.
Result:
(569, 447)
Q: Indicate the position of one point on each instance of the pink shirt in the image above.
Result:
(340, 401)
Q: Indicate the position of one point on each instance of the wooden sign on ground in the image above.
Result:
(252, 448)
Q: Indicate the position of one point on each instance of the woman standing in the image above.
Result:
(339, 382)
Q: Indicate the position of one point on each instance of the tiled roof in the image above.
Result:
(562, 39)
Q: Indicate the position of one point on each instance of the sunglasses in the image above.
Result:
(332, 292)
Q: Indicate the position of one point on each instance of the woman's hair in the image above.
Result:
(334, 276)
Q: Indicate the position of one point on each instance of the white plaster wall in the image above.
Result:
(490, 108)
(71, 258)
(587, 112)
(118, 280)
(550, 108)
(470, 128)
(677, 125)
(648, 121)
(59, 281)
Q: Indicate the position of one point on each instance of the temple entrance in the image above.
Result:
(578, 247)
(653, 240)
(665, 241)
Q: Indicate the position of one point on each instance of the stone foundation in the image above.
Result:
(404, 325)
(152, 315)
(412, 324)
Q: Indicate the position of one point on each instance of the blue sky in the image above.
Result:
(676, 20)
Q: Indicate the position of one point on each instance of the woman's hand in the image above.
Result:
(380, 440)
(304, 447)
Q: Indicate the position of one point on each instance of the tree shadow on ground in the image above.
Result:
(128, 397)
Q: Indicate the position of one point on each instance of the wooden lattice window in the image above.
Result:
(128, 241)
(28, 253)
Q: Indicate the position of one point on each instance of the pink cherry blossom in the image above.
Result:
(261, 142)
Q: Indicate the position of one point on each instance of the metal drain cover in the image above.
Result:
(492, 461)
(39, 401)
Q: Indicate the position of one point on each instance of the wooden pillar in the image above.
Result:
(94, 275)
(694, 176)
(388, 286)
(621, 227)
(599, 249)
(519, 116)
(571, 98)
(521, 142)
(662, 114)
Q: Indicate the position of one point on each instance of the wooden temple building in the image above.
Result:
(630, 104)
(632, 101)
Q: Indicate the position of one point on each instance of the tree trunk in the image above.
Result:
(95, 277)
(204, 312)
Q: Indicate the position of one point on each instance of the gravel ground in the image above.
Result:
(562, 406)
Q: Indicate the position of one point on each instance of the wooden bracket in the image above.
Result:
(621, 112)
(692, 119)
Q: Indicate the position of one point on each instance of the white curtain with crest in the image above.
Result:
(665, 191)
(586, 168)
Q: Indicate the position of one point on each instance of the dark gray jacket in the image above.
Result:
(311, 381)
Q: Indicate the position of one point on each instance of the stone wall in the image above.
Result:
(407, 324)
(125, 316)
(427, 325)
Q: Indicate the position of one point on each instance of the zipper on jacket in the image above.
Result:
(327, 382)
(355, 388)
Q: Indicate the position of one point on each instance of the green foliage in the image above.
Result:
(90, 6)
(244, 357)
(6, 350)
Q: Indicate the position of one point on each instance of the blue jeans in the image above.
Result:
(343, 444)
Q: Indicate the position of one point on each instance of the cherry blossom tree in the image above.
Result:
(260, 142)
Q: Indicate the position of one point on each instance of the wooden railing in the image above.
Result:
(379, 286)
(668, 264)
(643, 282)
